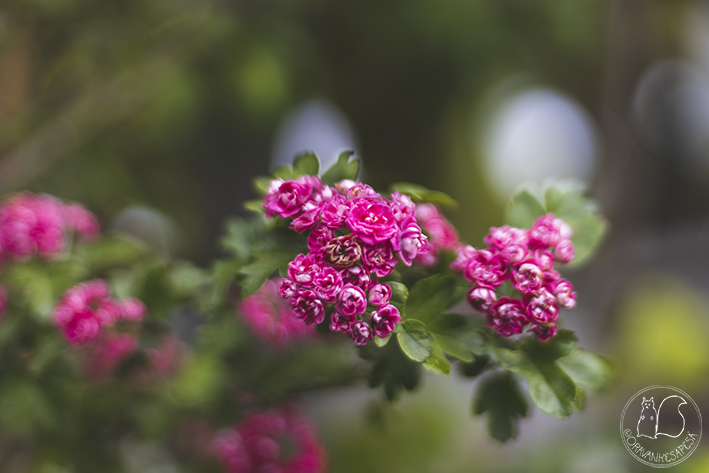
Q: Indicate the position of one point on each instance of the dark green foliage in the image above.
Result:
(499, 397)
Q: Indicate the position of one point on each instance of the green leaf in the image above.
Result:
(437, 362)
(580, 399)
(284, 172)
(239, 236)
(415, 341)
(306, 163)
(419, 193)
(499, 396)
(24, 407)
(198, 381)
(564, 344)
(114, 251)
(587, 369)
(380, 342)
(391, 369)
(262, 184)
(432, 296)
(254, 205)
(523, 209)
(399, 292)
(454, 347)
(550, 387)
(471, 370)
(32, 286)
(222, 274)
(567, 200)
(344, 168)
(188, 279)
(252, 276)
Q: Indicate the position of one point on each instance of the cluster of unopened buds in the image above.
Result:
(39, 223)
(526, 259)
(356, 236)
(276, 440)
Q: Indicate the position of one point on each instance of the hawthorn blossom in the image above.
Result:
(355, 236)
(526, 258)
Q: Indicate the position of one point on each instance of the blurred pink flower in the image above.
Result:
(37, 224)
(271, 317)
(276, 440)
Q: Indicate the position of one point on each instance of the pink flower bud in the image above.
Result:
(411, 241)
(485, 269)
(384, 320)
(287, 288)
(542, 307)
(564, 292)
(547, 232)
(465, 255)
(481, 298)
(306, 220)
(528, 278)
(328, 284)
(342, 323)
(379, 294)
(352, 300)
(379, 259)
(402, 206)
(361, 332)
(319, 238)
(544, 332)
(507, 316)
(334, 212)
(302, 270)
(82, 328)
(308, 307)
(564, 251)
(108, 311)
(502, 237)
(133, 309)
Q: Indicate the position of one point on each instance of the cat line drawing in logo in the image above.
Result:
(654, 422)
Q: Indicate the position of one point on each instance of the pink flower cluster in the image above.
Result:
(277, 440)
(87, 310)
(441, 233)
(37, 224)
(356, 236)
(271, 317)
(526, 259)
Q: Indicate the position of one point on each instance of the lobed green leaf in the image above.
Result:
(344, 168)
(415, 341)
(499, 396)
(432, 296)
(306, 163)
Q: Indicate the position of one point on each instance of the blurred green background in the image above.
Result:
(157, 115)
